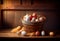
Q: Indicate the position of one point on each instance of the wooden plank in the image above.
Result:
(14, 35)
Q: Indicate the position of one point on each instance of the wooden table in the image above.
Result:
(14, 35)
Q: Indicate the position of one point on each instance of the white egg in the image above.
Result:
(41, 18)
(33, 19)
(43, 33)
(23, 33)
(36, 20)
(27, 18)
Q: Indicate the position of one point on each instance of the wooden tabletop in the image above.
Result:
(14, 35)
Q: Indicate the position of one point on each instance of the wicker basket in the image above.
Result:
(32, 27)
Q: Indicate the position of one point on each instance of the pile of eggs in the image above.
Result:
(33, 18)
(37, 33)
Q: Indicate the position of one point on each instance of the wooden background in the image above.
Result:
(13, 10)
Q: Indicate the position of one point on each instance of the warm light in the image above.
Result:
(8, 5)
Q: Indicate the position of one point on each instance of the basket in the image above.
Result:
(32, 27)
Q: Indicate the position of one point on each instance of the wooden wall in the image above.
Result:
(26, 4)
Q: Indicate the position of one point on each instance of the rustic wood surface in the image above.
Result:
(14, 35)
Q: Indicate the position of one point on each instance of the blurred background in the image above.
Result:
(11, 12)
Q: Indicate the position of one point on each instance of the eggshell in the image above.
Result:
(34, 15)
(36, 20)
(41, 19)
(51, 33)
(42, 33)
(23, 33)
(37, 33)
(33, 19)
(30, 17)
(27, 18)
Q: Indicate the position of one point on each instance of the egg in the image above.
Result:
(51, 33)
(41, 19)
(42, 33)
(33, 19)
(27, 18)
(37, 33)
(30, 17)
(23, 33)
(36, 20)
(34, 15)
